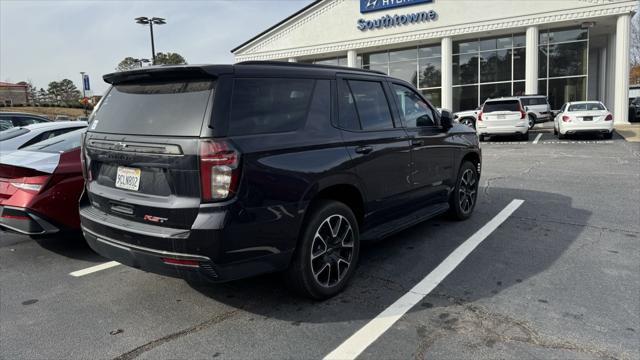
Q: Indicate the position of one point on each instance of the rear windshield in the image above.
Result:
(58, 144)
(269, 105)
(505, 105)
(12, 132)
(167, 108)
(586, 107)
(533, 101)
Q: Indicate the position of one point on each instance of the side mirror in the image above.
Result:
(445, 119)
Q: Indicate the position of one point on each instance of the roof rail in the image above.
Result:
(296, 64)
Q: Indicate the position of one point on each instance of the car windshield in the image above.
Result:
(503, 105)
(586, 107)
(159, 108)
(12, 132)
(58, 144)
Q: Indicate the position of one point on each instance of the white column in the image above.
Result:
(611, 72)
(352, 59)
(531, 61)
(602, 75)
(446, 65)
(292, 60)
(621, 101)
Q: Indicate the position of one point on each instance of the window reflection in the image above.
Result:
(430, 72)
(465, 69)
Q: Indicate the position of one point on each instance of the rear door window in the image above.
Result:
(159, 108)
(371, 104)
(269, 105)
(504, 105)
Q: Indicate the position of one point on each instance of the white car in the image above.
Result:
(581, 117)
(502, 116)
(468, 117)
(18, 137)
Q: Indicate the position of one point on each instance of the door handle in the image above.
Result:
(416, 142)
(364, 149)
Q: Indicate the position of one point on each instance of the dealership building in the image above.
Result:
(461, 52)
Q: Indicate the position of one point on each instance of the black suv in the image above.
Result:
(221, 172)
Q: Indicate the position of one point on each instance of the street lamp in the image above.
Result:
(150, 21)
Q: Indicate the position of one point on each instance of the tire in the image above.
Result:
(555, 131)
(466, 188)
(608, 136)
(532, 122)
(327, 222)
(470, 122)
(561, 136)
(481, 138)
(524, 137)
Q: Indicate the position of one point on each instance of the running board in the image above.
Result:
(392, 227)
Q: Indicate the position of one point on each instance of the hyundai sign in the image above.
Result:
(377, 5)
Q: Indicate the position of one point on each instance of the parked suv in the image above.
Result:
(221, 172)
(503, 116)
(537, 108)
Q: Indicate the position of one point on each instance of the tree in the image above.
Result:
(169, 59)
(64, 91)
(128, 63)
(42, 96)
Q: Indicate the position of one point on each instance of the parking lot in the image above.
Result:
(559, 278)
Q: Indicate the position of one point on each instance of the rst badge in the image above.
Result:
(377, 5)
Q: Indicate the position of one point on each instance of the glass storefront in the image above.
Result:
(563, 65)
(419, 65)
(486, 68)
(489, 67)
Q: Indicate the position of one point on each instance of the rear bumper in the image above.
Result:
(582, 128)
(522, 128)
(145, 246)
(25, 221)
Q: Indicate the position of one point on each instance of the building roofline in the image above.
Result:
(275, 26)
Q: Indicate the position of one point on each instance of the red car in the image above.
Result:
(40, 186)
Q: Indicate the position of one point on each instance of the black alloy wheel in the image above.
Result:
(327, 252)
(465, 195)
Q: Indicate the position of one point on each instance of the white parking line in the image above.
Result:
(537, 138)
(358, 342)
(93, 269)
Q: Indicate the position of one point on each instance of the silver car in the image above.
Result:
(537, 108)
(18, 137)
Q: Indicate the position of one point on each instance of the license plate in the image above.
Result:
(128, 178)
(501, 117)
(587, 118)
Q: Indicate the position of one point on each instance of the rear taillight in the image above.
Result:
(609, 118)
(480, 116)
(566, 118)
(86, 172)
(523, 114)
(181, 262)
(32, 184)
(219, 172)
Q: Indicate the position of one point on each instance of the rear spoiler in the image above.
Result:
(155, 73)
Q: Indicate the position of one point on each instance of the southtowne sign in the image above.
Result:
(387, 21)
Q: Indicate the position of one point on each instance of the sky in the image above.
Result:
(50, 40)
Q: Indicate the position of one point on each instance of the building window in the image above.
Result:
(563, 65)
(486, 68)
(419, 65)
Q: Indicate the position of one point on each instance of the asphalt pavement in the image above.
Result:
(559, 278)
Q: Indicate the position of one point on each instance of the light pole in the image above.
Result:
(84, 95)
(150, 21)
